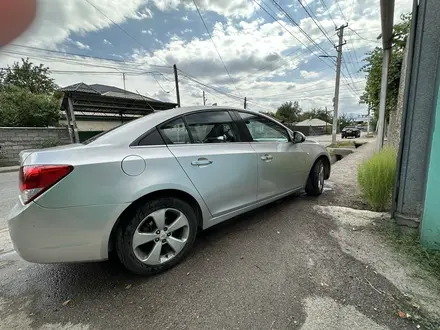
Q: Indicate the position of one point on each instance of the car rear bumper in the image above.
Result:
(72, 234)
(350, 134)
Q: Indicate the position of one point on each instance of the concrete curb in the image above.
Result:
(9, 169)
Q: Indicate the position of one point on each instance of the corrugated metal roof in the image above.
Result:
(107, 90)
(79, 87)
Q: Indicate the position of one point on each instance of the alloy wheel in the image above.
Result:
(321, 177)
(160, 236)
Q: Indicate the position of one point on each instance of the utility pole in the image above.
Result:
(176, 79)
(380, 127)
(123, 79)
(245, 102)
(340, 32)
(368, 121)
(204, 98)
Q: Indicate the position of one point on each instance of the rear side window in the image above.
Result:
(152, 139)
(175, 132)
(211, 127)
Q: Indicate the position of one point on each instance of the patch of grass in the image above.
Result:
(342, 144)
(331, 152)
(409, 244)
(376, 179)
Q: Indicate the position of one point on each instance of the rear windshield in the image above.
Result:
(97, 136)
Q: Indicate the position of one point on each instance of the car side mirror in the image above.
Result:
(298, 137)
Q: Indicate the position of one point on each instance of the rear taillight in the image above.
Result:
(36, 179)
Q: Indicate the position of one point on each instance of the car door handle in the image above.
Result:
(267, 158)
(201, 162)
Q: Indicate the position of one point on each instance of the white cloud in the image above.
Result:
(309, 74)
(58, 19)
(106, 42)
(186, 31)
(80, 45)
(228, 8)
(150, 31)
(185, 18)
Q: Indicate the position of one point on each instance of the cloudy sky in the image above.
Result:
(267, 60)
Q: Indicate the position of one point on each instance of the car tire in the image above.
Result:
(315, 182)
(129, 256)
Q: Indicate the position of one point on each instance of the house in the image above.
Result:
(313, 126)
(91, 109)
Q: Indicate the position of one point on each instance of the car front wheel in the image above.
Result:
(157, 236)
(315, 182)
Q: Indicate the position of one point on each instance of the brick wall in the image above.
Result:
(15, 139)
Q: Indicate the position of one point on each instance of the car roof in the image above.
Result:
(130, 131)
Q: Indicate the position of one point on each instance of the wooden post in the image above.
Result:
(72, 117)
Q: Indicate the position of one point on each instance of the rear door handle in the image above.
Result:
(267, 157)
(201, 162)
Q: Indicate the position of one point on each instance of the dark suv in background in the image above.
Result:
(350, 131)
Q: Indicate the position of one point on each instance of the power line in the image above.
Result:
(188, 76)
(337, 3)
(328, 11)
(47, 56)
(212, 40)
(361, 36)
(288, 31)
(301, 29)
(316, 22)
(72, 54)
(120, 27)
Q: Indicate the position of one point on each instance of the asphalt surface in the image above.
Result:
(277, 267)
(8, 195)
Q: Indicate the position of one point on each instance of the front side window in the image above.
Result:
(211, 127)
(263, 129)
(175, 132)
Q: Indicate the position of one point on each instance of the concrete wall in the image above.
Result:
(395, 124)
(15, 139)
(417, 117)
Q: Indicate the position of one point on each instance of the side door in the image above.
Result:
(222, 168)
(280, 161)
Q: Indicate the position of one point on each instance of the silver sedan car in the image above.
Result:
(146, 188)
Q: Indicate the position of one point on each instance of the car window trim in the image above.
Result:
(232, 113)
(234, 126)
(267, 118)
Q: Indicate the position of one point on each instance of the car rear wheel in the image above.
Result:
(157, 236)
(315, 182)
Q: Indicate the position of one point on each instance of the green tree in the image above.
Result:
(21, 108)
(35, 78)
(268, 113)
(373, 69)
(344, 120)
(322, 114)
(288, 112)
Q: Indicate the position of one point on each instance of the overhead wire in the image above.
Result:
(337, 3)
(216, 49)
(288, 31)
(320, 27)
(328, 11)
(122, 29)
(302, 30)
